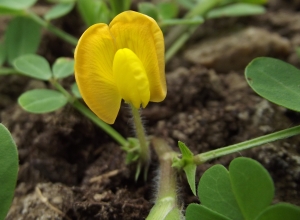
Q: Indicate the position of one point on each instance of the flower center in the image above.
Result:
(131, 78)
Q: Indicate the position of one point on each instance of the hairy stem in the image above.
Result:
(145, 156)
(204, 157)
(166, 201)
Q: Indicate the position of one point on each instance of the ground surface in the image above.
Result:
(80, 170)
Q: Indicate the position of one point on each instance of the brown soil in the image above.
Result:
(80, 170)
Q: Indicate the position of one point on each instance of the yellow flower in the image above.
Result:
(124, 60)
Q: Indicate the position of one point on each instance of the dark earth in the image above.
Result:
(71, 169)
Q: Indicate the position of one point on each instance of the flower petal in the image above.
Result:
(142, 35)
(131, 78)
(93, 72)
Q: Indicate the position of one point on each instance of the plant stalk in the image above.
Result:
(177, 36)
(58, 32)
(145, 154)
(204, 157)
(166, 200)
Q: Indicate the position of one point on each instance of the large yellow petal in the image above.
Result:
(131, 78)
(94, 56)
(142, 35)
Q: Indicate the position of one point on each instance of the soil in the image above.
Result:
(71, 169)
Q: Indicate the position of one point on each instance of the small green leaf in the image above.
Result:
(118, 6)
(258, 2)
(75, 90)
(189, 166)
(33, 66)
(234, 10)
(196, 212)
(42, 100)
(276, 81)
(215, 192)
(252, 185)
(22, 36)
(242, 193)
(280, 211)
(59, 10)
(187, 4)
(15, 7)
(149, 9)
(192, 21)
(9, 163)
(2, 53)
(93, 11)
(187, 154)
(17, 4)
(190, 172)
(167, 10)
(61, 1)
(63, 67)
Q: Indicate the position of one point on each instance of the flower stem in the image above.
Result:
(204, 157)
(144, 159)
(89, 114)
(166, 200)
(58, 32)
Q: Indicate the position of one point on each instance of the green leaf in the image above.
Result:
(242, 193)
(187, 154)
(75, 90)
(93, 11)
(59, 10)
(22, 36)
(187, 4)
(280, 211)
(191, 21)
(261, 2)
(252, 185)
(63, 67)
(190, 172)
(167, 10)
(196, 212)
(189, 166)
(215, 192)
(61, 1)
(118, 6)
(33, 66)
(275, 80)
(42, 100)
(9, 163)
(234, 10)
(2, 53)
(16, 4)
(149, 9)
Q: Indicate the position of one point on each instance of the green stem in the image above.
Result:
(89, 114)
(179, 43)
(166, 200)
(180, 34)
(145, 156)
(204, 157)
(58, 32)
